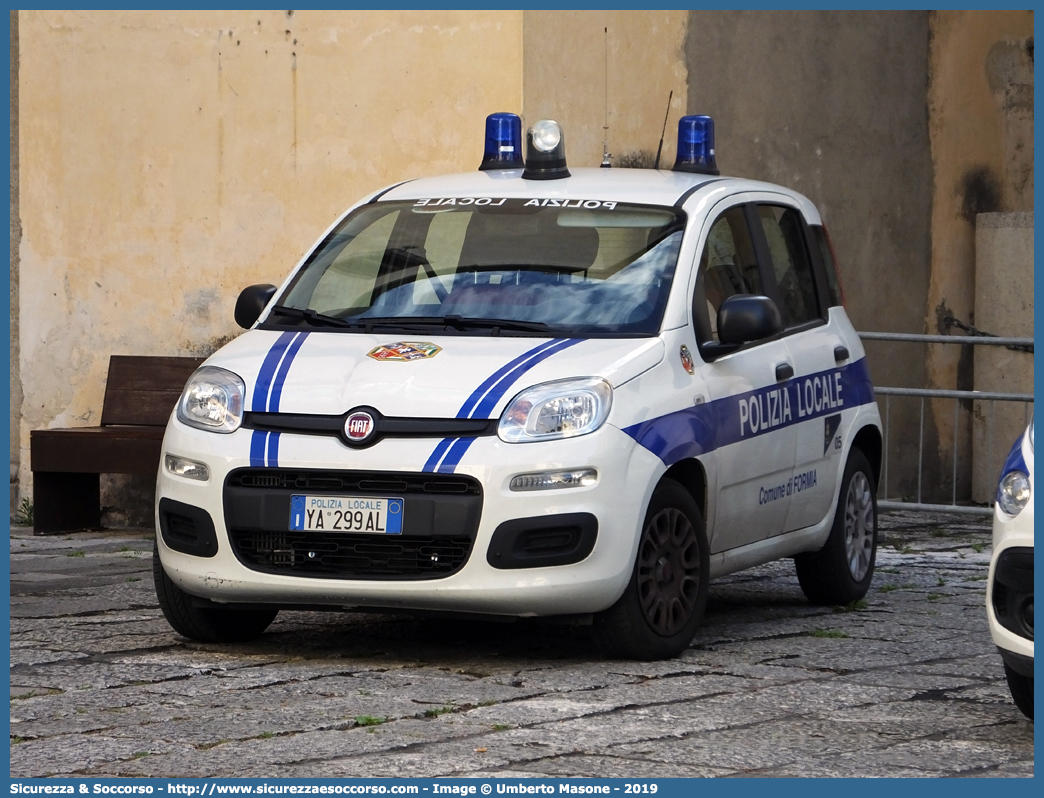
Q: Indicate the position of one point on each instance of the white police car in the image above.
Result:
(1009, 592)
(527, 391)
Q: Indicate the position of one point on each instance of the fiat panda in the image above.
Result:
(530, 390)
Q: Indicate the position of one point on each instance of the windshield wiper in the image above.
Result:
(410, 322)
(311, 316)
(504, 324)
(454, 321)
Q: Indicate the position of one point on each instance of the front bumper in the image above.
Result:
(1009, 591)
(626, 474)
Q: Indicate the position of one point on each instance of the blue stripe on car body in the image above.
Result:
(484, 398)
(476, 396)
(258, 444)
(259, 400)
(496, 393)
(714, 425)
(284, 368)
(437, 455)
(264, 446)
(273, 449)
(457, 450)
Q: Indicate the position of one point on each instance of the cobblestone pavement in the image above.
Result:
(907, 685)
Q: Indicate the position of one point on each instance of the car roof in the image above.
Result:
(644, 186)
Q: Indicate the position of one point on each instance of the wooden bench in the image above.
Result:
(140, 392)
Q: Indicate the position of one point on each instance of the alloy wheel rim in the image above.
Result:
(859, 526)
(668, 572)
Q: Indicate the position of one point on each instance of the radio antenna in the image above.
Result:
(605, 141)
(664, 131)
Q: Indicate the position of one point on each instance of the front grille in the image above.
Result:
(441, 515)
(355, 481)
(340, 556)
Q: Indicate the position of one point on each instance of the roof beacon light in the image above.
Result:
(503, 143)
(696, 146)
(545, 151)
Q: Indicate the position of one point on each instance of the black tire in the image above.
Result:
(663, 603)
(842, 570)
(211, 625)
(1021, 688)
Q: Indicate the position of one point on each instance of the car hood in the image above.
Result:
(329, 373)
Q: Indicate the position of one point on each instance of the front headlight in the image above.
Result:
(212, 400)
(562, 409)
(1013, 493)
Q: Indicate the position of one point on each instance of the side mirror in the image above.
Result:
(748, 317)
(251, 302)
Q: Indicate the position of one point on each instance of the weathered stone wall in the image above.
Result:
(1004, 306)
(16, 234)
(583, 68)
(833, 104)
(169, 159)
(980, 104)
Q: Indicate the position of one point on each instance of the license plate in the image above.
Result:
(346, 514)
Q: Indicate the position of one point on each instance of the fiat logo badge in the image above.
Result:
(358, 426)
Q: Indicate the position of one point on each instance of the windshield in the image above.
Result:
(491, 266)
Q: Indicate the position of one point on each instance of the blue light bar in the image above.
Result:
(696, 146)
(503, 143)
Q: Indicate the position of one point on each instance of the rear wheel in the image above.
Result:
(663, 603)
(842, 570)
(1021, 688)
(209, 624)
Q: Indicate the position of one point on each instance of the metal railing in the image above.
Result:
(957, 397)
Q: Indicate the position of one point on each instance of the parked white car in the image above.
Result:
(530, 390)
(1009, 592)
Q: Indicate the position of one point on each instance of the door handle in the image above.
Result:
(784, 371)
(840, 353)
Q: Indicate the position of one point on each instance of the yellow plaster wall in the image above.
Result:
(168, 159)
(565, 79)
(977, 64)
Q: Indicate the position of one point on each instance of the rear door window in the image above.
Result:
(785, 238)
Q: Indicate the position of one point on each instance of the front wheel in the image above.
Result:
(209, 624)
(663, 603)
(841, 571)
(1021, 688)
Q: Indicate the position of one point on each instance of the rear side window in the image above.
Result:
(791, 263)
(826, 251)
